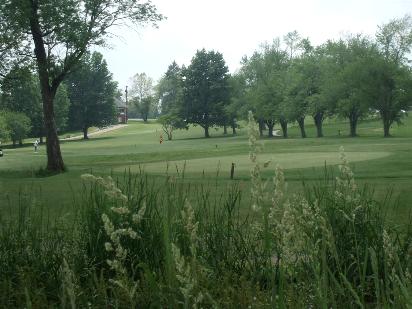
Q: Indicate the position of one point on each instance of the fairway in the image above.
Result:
(383, 163)
(243, 164)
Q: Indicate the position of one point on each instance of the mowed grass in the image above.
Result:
(383, 163)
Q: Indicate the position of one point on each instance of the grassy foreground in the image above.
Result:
(140, 241)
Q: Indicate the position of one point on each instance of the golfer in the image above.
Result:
(36, 145)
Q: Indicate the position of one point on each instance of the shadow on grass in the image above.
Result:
(13, 174)
(40, 172)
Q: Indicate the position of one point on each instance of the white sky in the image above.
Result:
(237, 27)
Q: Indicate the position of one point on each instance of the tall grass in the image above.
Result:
(130, 243)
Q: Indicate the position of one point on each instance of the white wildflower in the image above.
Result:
(139, 216)
(108, 225)
(88, 177)
(108, 246)
(120, 210)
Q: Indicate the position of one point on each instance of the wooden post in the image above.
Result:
(125, 111)
(232, 170)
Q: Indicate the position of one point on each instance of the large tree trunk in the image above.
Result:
(386, 127)
(284, 125)
(353, 123)
(224, 129)
(318, 123)
(270, 124)
(233, 128)
(41, 140)
(301, 122)
(206, 131)
(261, 123)
(85, 129)
(54, 156)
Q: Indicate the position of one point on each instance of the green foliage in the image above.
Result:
(390, 90)
(21, 93)
(264, 73)
(169, 90)
(171, 122)
(238, 105)
(70, 25)
(4, 130)
(141, 93)
(395, 39)
(91, 91)
(145, 106)
(18, 124)
(347, 78)
(62, 105)
(205, 90)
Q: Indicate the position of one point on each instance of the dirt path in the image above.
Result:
(100, 131)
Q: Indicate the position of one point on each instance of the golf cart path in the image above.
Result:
(98, 132)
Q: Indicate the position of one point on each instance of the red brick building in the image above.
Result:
(121, 110)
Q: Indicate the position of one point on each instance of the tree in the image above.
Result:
(4, 130)
(392, 82)
(390, 90)
(61, 31)
(295, 106)
(18, 125)
(62, 103)
(296, 94)
(146, 106)
(141, 93)
(21, 93)
(395, 39)
(205, 90)
(169, 90)
(91, 91)
(293, 42)
(238, 107)
(314, 72)
(171, 122)
(347, 77)
(264, 72)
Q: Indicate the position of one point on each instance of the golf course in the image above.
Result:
(205, 154)
(383, 163)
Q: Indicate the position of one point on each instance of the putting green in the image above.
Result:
(243, 164)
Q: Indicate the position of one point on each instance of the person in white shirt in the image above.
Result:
(36, 145)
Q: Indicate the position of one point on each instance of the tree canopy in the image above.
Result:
(142, 94)
(91, 91)
(205, 90)
(169, 90)
(20, 92)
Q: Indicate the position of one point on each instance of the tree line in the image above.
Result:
(83, 100)
(287, 81)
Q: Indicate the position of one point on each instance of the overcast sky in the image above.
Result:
(237, 28)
